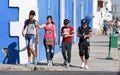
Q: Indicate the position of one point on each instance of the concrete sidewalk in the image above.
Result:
(97, 62)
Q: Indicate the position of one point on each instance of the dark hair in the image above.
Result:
(32, 12)
(83, 21)
(66, 22)
(49, 16)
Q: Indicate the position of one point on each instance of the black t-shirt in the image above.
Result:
(86, 31)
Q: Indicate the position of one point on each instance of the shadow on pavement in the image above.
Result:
(99, 41)
(105, 59)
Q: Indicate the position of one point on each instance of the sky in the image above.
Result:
(117, 2)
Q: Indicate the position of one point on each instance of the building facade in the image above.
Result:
(102, 10)
(14, 12)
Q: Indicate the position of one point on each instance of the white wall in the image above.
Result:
(16, 27)
(100, 16)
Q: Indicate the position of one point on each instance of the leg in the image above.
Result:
(69, 46)
(31, 43)
(64, 51)
(51, 52)
(105, 31)
(81, 52)
(48, 53)
(27, 38)
(86, 56)
(29, 55)
(32, 40)
(87, 51)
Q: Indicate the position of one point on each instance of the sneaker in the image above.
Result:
(86, 67)
(68, 65)
(35, 62)
(83, 65)
(49, 63)
(65, 62)
(28, 64)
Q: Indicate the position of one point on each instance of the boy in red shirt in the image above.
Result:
(67, 33)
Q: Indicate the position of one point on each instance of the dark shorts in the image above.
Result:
(84, 50)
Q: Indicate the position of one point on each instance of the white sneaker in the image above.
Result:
(49, 63)
(68, 65)
(83, 65)
(86, 67)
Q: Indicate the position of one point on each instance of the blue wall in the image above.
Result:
(8, 14)
(6, 41)
(43, 13)
(87, 9)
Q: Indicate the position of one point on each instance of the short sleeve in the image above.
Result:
(36, 22)
(71, 30)
(62, 30)
(79, 28)
(90, 30)
(25, 22)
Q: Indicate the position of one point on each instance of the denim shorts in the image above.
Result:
(30, 39)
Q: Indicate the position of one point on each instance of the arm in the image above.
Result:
(23, 30)
(42, 26)
(70, 35)
(62, 32)
(37, 35)
(88, 36)
(55, 32)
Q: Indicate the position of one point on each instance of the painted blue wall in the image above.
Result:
(6, 41)
(69, 10)
(8, 14)
(43, 13)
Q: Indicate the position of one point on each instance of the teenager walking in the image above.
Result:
(49, 39)
(30, 26)
(84, 33)
(67, 33)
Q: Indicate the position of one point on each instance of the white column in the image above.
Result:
(82, 10)
(75, 9)
(62, 14)
(16, 26)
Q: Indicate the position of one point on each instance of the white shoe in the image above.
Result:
(86, 67)
(68, 65)
(83, 65)
(49, 63)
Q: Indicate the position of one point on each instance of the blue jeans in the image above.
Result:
(29, 39)
(49, 51)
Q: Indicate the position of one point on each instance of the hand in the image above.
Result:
(23, 34)
(66, 36)
(85, 36)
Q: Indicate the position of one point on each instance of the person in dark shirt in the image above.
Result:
(105, 27)
(84, 33)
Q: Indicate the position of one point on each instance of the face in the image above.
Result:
(84, 25)
(49, 20)
(31, 16)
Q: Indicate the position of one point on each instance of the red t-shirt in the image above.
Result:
(67, 30)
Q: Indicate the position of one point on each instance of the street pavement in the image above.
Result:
(97, 62)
